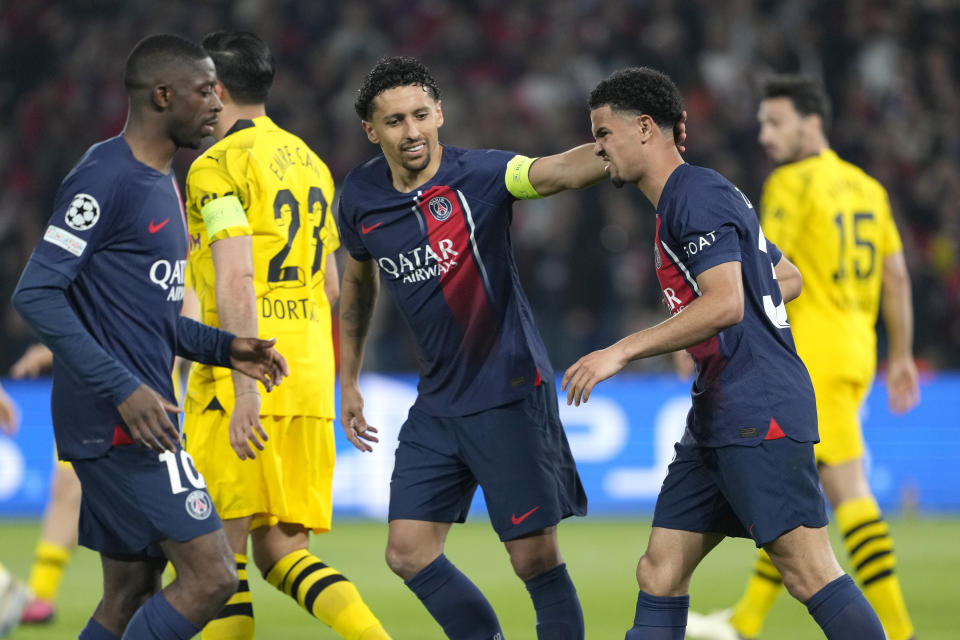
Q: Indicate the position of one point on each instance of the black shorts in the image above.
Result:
(758, 492)
(517, 453)
(134, 498)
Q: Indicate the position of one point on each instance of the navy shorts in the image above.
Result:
(518, 454)
(134, 498)
(756, 492)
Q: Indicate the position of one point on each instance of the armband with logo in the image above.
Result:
(517, 178)
(223, 213)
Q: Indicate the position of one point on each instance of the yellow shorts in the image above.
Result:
(838, 417)
(291, 480)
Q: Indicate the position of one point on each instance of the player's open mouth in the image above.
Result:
(414, 149)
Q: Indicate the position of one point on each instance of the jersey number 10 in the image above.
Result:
(276, 271)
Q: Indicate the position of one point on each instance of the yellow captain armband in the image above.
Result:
(223, 213)
(517, 178)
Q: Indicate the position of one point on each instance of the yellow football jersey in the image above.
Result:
(833, 222)
(262, 181)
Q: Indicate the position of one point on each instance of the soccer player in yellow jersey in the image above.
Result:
(834, 223)
(262, 239)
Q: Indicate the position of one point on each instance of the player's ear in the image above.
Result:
(160, 96)
(371, 134)
(645, 127)
(439, 114)
(222, 92)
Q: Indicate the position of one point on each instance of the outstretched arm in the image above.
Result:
(358, 293)
(720, 306)
(581, 167)
(897, 306)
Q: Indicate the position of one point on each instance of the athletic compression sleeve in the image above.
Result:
(41, 298)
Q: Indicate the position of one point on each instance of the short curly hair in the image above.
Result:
(641, 90)
(391, 72)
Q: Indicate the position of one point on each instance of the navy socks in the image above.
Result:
(842, 612)
(659, 618)
(158, 620)
(455, 602)
(559, 616)
(96, 631)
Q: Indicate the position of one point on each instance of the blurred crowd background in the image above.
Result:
(515, 75)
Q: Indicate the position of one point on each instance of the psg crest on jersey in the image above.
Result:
(83, 212)
(198, 505)
(440, 208)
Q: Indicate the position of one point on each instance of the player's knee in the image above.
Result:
(659, 576)
(803, 583)
(532, 563)
(218, 585)
(131, 600)
(405, 560)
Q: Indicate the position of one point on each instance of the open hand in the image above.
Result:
(245, 427)
(34, 361)
(903, 388)
(145, 414)
(355, 426)
(680, 132)
(258, 359)
(584, 374)
(9, 416)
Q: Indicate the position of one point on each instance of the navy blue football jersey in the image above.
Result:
(118, 234)
(445, 253)
(750, 383)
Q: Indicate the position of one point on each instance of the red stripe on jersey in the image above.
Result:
(462, 283)
(183, 211)
(775, 432)
(678, 293)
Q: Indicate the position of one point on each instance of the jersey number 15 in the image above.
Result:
(862, 241)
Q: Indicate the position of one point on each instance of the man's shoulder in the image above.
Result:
(856, 174)
(107, 171)
(494, 158)
(373, 172)
(692, 188)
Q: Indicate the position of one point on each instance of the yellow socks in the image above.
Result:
(326, 594)
(47, 572)
(235, 620)
(866, 537)
(762, 589)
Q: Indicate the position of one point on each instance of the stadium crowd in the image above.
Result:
(516, 75)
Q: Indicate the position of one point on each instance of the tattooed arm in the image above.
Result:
(358, 293)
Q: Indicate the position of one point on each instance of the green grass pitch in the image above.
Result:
(601, 555)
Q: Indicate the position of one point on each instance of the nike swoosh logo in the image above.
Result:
(515, 520)
(365, 229)
(156, 227)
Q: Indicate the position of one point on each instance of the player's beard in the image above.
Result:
(418, 166)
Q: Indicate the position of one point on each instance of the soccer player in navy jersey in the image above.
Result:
(103, 290)
(434, 220)
(744, 466)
